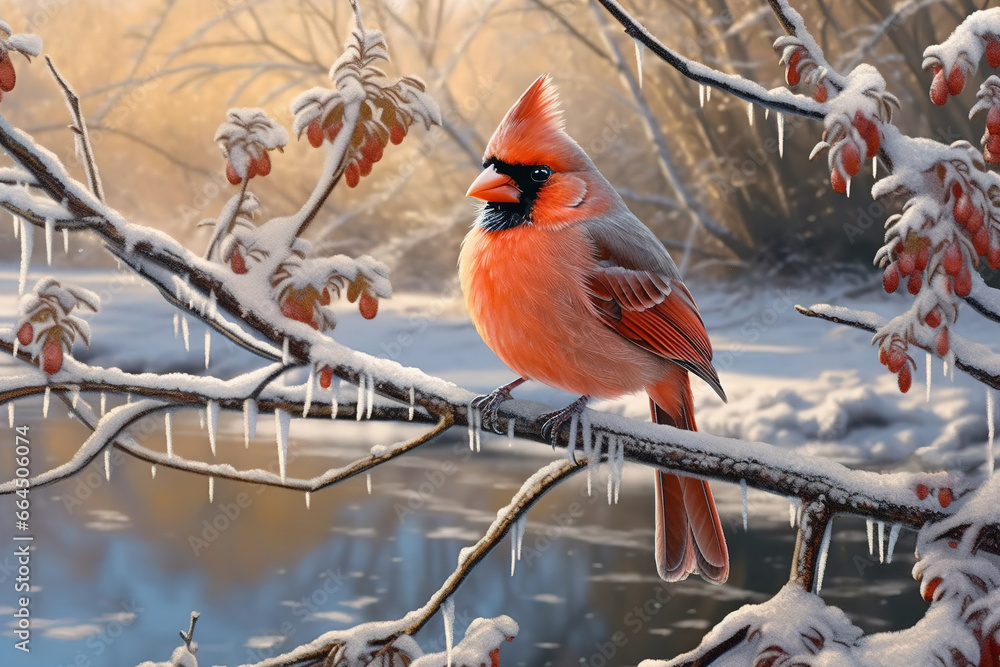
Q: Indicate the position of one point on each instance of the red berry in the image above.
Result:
(262, 165)
(890, 279)
(324, 296)
(52, 355)
(352, 175)
(928, 591)
(837, 181)
(933, 318)
(365, 166)
(7, 75)
(963, 210)
(896, 360)
(922, 256)
(792, 73)
(944, 497)
(883, 356)
(850, 157)
(371, 149)
(905, 379)
(906, 263)
(981, 241)
(922, 491)
(992, 143)
(315, 134)
(993, 256)
(975, 221)
(939, 89)
(237, 263)
(820, 94)
(952, 260)
(368, 305)
(993, 119)
(26, 334)
(325, 377)
(231, 174)
(993, 51)
(913, 284)
(956, 189)
(397, 133)
(869, 132)
(941, 343)
(495, 657)
(299, 305)
(963, 282)
(956, 80)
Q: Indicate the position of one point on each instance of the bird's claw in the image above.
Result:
(555, 420)
(488, 406)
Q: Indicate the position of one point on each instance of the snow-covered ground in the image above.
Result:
(792, 381)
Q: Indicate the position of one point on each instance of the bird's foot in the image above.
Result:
(555, 420)
(489, 404)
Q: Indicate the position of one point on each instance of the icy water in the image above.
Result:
(118, 566)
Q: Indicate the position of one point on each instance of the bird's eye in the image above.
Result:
(540, 174)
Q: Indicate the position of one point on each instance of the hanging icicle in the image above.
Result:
(361, 397)
(371, 397)
(212, 420)
(74, 396)
(50, 227)
(574, 425)
(310, 381)
(881, 542)
(448, 616)
(65, 235)
(510, 433)
(334, 406)
(45, 402)
(211, 489)
(893, 536)
(104, 403)
(186, 333)
(516, 539)
(152, 470)
(701, 96)
(168, 419)
(743, 497)
(281, 422)
(107, 463)
(368, 482)
(208, 345)
(791, 514)
(824, 551)
(413, 404)
(750, 113)
(286, 356)
(870, 527)
(249, 421)
(640, 49)
(781, 135)
(308, 500)
(177, 325)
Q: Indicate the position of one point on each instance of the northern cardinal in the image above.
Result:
(570, 289)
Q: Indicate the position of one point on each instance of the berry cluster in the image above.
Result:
(260, 165)
(848, 146)
(799, 64)
(46, 321)
(8, 77)
(895, 358)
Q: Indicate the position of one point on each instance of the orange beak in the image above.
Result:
(493, 186)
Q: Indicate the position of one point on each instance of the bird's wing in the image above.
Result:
(651, 308)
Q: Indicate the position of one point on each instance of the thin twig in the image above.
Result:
(80, 132)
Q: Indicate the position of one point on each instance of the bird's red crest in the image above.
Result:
(532, 131)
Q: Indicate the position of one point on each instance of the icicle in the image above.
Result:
(50, 227)
(791, 514)
(780, 117)
(201, 420)
(893, 536)
(870, 527)
(152, 470)
(750, 113)
(27, 244)
(767, 113)
(990, 424)
(708, 93)
(10, 414)
(875, 167)
(212, 418)
(177, 325)
(472, 413)
(286, 357)
(640, 48)
(310, 381)
(701, 96)
(371, 396)
(848, 192)
(211, 489)
(208, 345)
(413, 403)
(619, 467)
(368, 482)
(881, 542)
(616, 460)
(17, 346)
(516, 539)
(945, 367)
(281, 422)
(104, 403)
(167, 427)
(448, 616)
(510, 433)
(334, 406)
(186, 333)
(45, 403)
(249, 421)
(743, 495)
(361, 397)
(213, 310)
(107, 463)
(927, 396)
(65, 235)
(593, 464)
(574, 425)
(824, 551)
(74, 396)
(308, 499)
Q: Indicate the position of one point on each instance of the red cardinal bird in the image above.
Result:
(570, 289)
